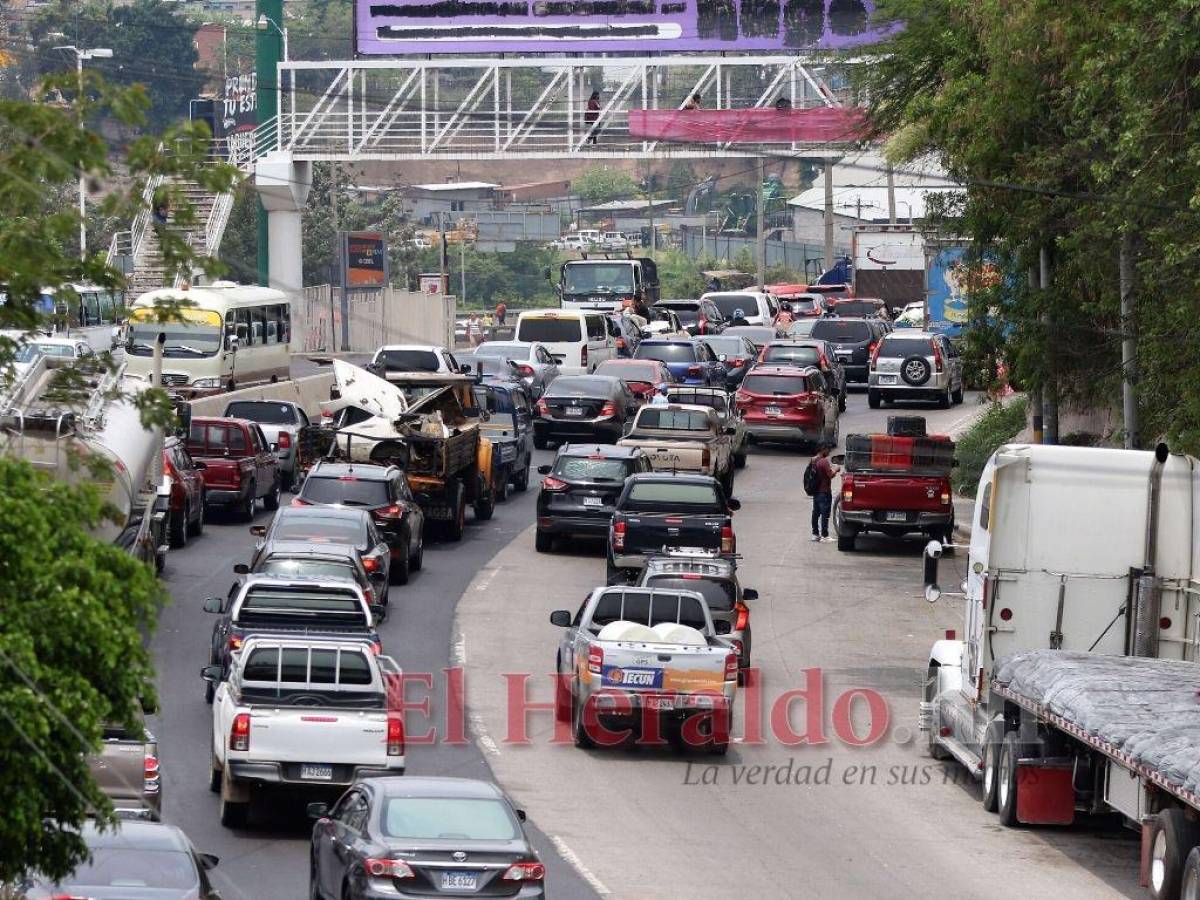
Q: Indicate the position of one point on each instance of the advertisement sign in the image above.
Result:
(818, 125)
(398, 27)
(365, 253)
(951, 280)
(432, 283)
(236, 114)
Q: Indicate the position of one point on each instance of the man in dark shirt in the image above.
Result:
(823, 495)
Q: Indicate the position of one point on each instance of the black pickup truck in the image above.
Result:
(657, 510)
(509, 426)
(270, 605)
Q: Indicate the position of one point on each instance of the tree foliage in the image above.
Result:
(601, 184)
(1072, 123)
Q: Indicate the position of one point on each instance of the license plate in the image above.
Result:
(897, 517)
(843, 352)
(593, 501)
(460, 881)
(660, 703)
(773, 411)
(314, 772)
(887, 379)
(574, 411)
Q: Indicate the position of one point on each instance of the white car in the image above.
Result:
(413, 358)
(60, 347)
(536, 366)
(757, 308)
(615, 240)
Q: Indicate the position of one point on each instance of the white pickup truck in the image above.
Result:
(633, 657)
(681, 437)
(302, 713)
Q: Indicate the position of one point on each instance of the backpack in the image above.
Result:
(810, 478)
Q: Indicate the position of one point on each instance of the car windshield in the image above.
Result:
(346, 490)
(628, 371)
(803, 328)
(808, 356)
(649, 610)
(197, 332)
(673, 419)
(803, 304)
(572, 386)
(669, 494)
(718, 594)
(263, 411)
(688, 315)
(209, 440)
(669, 353)
(299, 568)
(31, 351)
(550, 329)
(407, 360)
(693, 397)
(729, 304)
(842, 332)
(851, 308)
(606, 278)
(321, 530)
(307, 600)
(449, 819)
(774, 384)
(591, 468)
(134, 869)
(729, 346)
(899, 348)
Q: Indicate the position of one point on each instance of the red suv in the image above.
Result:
(239, 464)
(788, 404)
(186, 501)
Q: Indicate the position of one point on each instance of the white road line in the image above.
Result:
(482, 738)
(458, 652)
(486, 577)
(575, 863)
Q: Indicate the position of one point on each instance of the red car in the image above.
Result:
(186, 504)
(788, 404)
(240, 466)
(641, 376)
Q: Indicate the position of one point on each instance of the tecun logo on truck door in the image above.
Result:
(874, 255)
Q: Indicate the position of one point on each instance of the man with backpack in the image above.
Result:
(818, 484)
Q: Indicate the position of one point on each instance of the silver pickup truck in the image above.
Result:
(637, 659)
(684, 438)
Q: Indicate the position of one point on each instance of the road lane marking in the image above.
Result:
(577, 864)
(486, 577)
(458, 652)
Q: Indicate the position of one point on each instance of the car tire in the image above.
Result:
(945, 400)
(401, 565)
(846, 541)
(842, 402)
(873, 398)
(246, 509)
(271, 501)
(1172, 839)
(485, 505)
(418, 560)
(500, 489)
(1190, 883)
(1007, 772)
(543, 542)
(539, 441)
(178, 529)
(915, 371)
(234, 815)
(214, 776)
(521, 479)
(197, 527)
(739, 460)
(956, 397)
(458, 524)
(314, 882)
(991, 770)
(613, 574)
(579, 734)
(210, 691)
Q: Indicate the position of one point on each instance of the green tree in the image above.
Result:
(600, 184)
(681, 178)
(679, 276)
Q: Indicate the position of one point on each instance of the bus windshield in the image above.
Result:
(194, 333)
(610, 278)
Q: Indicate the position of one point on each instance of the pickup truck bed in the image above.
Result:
(684, 438)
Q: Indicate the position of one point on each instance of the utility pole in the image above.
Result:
(1038, 423)
(891, 188)
(1128, 343)
(828, 214)
(268, 51)
(462, 261)
(760, 234)
(1051, 399)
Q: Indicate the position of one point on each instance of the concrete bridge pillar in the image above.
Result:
(283, 185)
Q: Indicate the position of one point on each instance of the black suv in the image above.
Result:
(697, 316)
(853, 342)
(384, 493)
(580, 490)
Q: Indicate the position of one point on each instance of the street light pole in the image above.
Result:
(265, 20)
(80, 56)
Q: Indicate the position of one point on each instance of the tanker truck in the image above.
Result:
(65, 432)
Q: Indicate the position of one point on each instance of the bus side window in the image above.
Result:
(244, 332)
(272, 313)
(260, 315)
(285, 323)
(985, 507)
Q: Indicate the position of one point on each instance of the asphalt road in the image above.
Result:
(270, 859)
(817, 819)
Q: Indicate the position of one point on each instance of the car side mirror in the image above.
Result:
(734, 504)
(561, 618)
(317, 810)
(273, 447)
(722, 626)
(209, 861)
(199, 466)
(933, 553)
(785, 307)
(211, 674)
(545, 470)
(749, 594)
(212, 605)
(231, 343)
(258, 530)
(466, 369)
(520, 814)
(241, 569)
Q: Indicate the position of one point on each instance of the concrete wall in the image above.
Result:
(376, 317)
(808, 227)
(308, 392)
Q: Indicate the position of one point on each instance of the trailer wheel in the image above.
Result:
(485, 505)
(991, 752)
(1190, 889)
(1011, 750)
(458, 523)
(1173, 840)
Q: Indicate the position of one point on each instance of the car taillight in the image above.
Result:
(945, 498)
(388, 868)
(296, 501)
(395, 736)
(695, 371)
(525, 871)
(550, 483)
(741, 397)
(284, 441)
(371, 563)
(150, 777)
(873, 350)
(848, 491)
(731, 667)
(235, 642)
(743, 617)
(807, 401)
(728, 541)
(620, 343)
(738, 647)
(618, 536)
(595, 659)
(937, 358)
(394, 511)
(702, 326)
(542, 408)
(525, 371)
(608, 409)
(583, 356)
(239, 733)
(705, 457)
(369, 593)
(739, 362)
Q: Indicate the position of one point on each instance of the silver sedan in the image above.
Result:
(535, 366)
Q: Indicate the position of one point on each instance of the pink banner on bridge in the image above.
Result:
(817, 125)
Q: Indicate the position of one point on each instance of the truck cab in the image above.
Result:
(606, 283)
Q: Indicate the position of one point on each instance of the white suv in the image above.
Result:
(757, 307)
(909, 365)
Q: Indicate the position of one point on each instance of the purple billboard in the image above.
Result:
(406, 27)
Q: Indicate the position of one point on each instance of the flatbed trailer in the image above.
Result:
(1084, 733)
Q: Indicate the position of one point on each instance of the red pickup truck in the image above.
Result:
(895, 486)
(238, 464)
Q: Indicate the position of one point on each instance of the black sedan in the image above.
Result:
(580, 490)
(389, 838)
(737, 352)
(583, 408)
